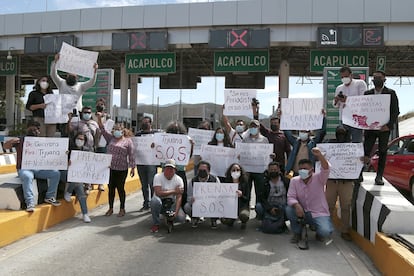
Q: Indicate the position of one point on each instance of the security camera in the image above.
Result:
(9, 56)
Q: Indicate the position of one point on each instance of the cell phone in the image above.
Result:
(341, 95)
(74, 113)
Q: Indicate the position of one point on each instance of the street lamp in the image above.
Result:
(9, 56)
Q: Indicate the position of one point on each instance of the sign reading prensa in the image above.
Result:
(241, 61)
(8, 66)
(152, 63)
(321, 59)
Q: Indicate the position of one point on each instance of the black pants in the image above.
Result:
(117, 181)
(370, 138)
(258, 180)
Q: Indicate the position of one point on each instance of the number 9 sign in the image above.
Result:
(172, 146)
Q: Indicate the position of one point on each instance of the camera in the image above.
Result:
(301, 221)
(99, 108)
(255, 101)
(74, 113)
(341, 95)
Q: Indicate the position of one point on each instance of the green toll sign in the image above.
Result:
(8, 67)
(241, 61)
(150, 63)
(320, 59)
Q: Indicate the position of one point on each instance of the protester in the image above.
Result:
(203, 175)
(36, 104)
(306, 199)
(220, 139)
(167, 186)
(382, 134)
(272, 200)
(123, 157)
(100, 107)
(27, 176)
(236, 135)
(236, 174)
(205, 125)
(146, 172)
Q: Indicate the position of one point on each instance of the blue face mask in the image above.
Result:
(118, 133)
(86, 116)
(304, 173)
(239, 128)
(253, 130)
(219, 136)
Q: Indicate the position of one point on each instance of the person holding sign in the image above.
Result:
(27, 176)
(168, 190)
(36, 104)
(123, 157)
(236, 134)
(221, 139)
(306, 199)
(236, 174)
(384, 133)
(349, 87)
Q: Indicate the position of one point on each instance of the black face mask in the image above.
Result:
(378, 82)
(71, 80)
(32, 132)
(274, 174)
(99, 108)
(273, 127)
(202, 173)
(145, 126)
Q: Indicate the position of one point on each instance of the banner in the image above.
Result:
(89, 167)
(144, 154)
(41, 153)
(58, 106)
(301, 114)
(77, 61)
(200, 137)
(238, 102)
(172, 146)
(344, 158)
(254, 157)
(215, 200)
(220, 158)
(367, 112)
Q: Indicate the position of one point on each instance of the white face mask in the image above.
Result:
(235, 174)
(44, 84)
(304, 173)
(303, 136)
(346, 80)
(79, 143)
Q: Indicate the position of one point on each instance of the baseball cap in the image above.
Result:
(170, 163)
(254, 122)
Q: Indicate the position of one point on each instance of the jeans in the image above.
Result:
(80, 194)
(27, 177)
(262, 213)
(323, 224)
(344, 190)
(370, 138)
(146, 176)
(156, 208)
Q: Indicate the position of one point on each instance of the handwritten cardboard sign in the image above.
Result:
(215, 200)
(238, 102)
(172, 146)
(41, 153)
(58, 106)
(367, 112)
(89, 167)
(144, 154)
(77, 61)
(254, 157)
(301, 114)
(200, 137)
(220, 158)
(344, 159)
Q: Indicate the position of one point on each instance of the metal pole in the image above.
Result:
(180, 111)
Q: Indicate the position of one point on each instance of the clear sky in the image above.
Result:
(211, 89)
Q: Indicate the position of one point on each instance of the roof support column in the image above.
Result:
(284, 72)
(10, 100)
(124, 86)
(133, 97)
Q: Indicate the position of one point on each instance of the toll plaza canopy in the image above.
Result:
(242, 40)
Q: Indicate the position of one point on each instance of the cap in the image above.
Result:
(254, 122)
(169, 163)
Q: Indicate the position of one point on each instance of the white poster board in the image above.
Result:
(220, 158)
(144, 154)
(58, 106)
(367, 112)
(43, 153)
(344, 158)
(238, 102)
(200, 137)
(77, 61)
(172, 146)
(254, 157)
(215, 200)
(89, 167)
(301, 114)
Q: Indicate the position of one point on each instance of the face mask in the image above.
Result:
(71, 80)
(118, 133)
(235, 174)
(202, 173)
(44, 84)
(33, 132)
(303, 173)
(274, 174)
(79, 143)
(303, 136)
(346, 80)
(253, 130)
(86, 116)
(273, 127)
(239, 129)
(219, 136)
(100, 108)
(145, 126)
(378, 82)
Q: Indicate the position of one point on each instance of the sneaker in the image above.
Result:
(86, 218)
(30, 208)
(213, 224)
(379, 181)
(187, 218)
(101, 188)
(155, 228)
(194, 222)
(68, 197)
(346, 236)
(296, 238)
(52, 201)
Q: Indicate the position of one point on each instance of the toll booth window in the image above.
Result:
(47, 44)
(120, 41)
(158, 41)
(31, 45)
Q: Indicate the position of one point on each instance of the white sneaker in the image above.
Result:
(68, 197)
(86, 218)
(187, 218)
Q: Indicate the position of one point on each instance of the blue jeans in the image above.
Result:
(27, 177)
(156, 208)
(261, 212)
(323, 225)
(146, 176)
(80, 194)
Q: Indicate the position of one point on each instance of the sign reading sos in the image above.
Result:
(172, 146)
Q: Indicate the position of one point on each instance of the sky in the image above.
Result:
(211, 89)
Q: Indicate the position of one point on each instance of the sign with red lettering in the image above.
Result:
(172, 146)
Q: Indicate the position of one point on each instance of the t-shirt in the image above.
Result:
(355, 88)
(165, 184)
(277, 193)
